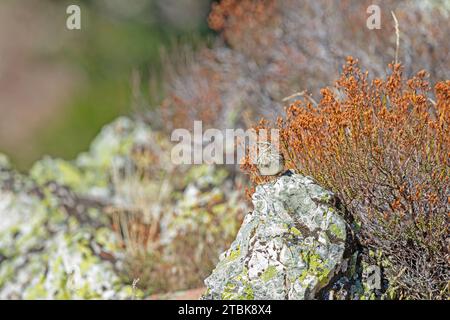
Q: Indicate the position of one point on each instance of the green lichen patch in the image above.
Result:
(232, 292)
(317, 267)
(234, 254)
(337, 231)
(295, 232)
(270, 272)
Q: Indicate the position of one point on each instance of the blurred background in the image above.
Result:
(58, 87)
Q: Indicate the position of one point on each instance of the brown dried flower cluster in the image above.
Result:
(240, 20)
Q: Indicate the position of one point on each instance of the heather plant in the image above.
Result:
(270, 49)
(383, 146)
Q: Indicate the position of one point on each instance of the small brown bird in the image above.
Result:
(270, 161)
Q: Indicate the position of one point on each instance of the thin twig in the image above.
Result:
(297, 94)
(397, 35)
(134, 288)
(300, 94)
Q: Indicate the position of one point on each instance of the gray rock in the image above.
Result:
(372, 277)
(289, 247)
(55, 236)
(56, 240)
(51, 250)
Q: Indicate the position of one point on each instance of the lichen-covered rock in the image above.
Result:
(55, 237)
(4, 161)
(54, 245)
(63, 227)
(112, 151)
(289, 247)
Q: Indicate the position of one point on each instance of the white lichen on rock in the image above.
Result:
(47, 251)
(91, 172)
(289, 247)
(56, 240)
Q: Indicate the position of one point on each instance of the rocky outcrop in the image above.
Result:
(54, 245)
(294, 245)
(58, 224)
(289, 247)
(55, 237)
